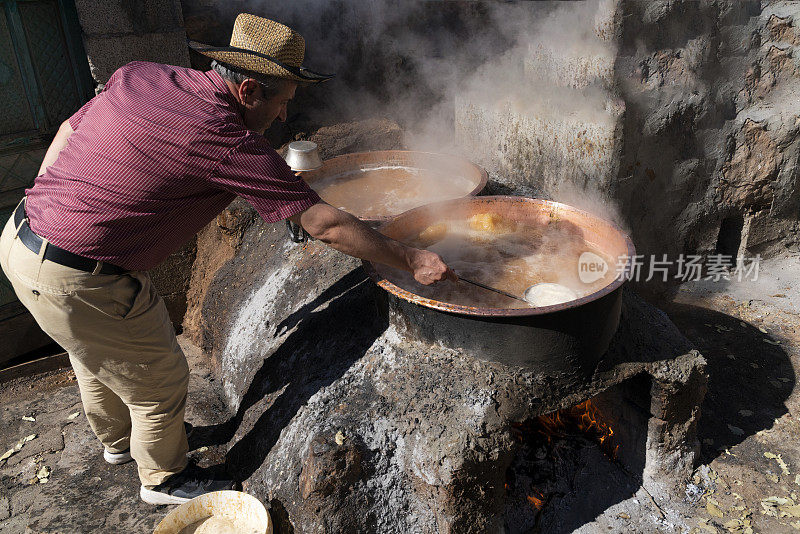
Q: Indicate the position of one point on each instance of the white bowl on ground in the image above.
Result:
(245, 512)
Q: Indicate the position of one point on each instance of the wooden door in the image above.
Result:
(44, 78)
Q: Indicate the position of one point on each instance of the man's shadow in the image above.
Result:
(332, 332)
(750, 376)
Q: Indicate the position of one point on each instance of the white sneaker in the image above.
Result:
(117, 458)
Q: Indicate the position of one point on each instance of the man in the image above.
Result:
(132, 175)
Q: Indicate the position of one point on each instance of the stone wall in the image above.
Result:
(555, 118)
(391, 58)
(116, 32)
(711, 141)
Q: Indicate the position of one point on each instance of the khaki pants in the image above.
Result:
(131, 372)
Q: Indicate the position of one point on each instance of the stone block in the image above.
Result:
(102, 17)
(535, 147)
(672, 445)
(571, 67)
(748, 176)
(567, 54)
(362, 136)
(767, 235)
(107, 54)
(607, 20)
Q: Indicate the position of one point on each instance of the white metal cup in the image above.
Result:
(303, 156)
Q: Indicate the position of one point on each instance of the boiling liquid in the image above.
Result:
(509, 256)
(384, 191)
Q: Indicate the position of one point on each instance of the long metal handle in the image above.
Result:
(296, 232)
(490, 288)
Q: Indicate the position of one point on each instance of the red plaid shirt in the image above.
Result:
(154, 158)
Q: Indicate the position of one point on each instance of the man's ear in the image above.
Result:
(248, 91)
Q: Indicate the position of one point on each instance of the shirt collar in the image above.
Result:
(226, 94)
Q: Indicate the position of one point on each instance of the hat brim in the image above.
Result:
(257, 62)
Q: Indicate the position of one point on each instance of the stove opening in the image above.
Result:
(573, 464)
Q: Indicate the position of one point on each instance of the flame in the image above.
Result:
(584, 417)
(537, 501)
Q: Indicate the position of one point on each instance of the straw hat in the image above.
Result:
(266, 47)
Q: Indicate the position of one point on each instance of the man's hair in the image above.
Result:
(270, 85)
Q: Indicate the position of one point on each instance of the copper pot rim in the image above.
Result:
(484, 176)
(413, 298)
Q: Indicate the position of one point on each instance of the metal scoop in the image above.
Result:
(528, 297)
(490, 288)
(301, 156)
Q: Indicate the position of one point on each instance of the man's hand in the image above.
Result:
(347, 234)
(428, 267)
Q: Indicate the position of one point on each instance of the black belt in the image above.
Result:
(54, 253)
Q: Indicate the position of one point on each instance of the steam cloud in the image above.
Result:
(410, 61)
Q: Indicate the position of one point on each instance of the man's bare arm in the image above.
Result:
(347, 234)
(59, 142)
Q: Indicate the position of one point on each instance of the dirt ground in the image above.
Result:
(749, 332)
(82, 492)
(749, 480)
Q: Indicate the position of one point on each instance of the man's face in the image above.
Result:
(260, 112)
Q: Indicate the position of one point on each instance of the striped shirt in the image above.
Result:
(152, 159)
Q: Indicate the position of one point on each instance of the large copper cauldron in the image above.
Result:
(566, 338)
(347, 163)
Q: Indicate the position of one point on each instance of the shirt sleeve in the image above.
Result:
(255, 172)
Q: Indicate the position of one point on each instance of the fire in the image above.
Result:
(584, 417)
(537, 501)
